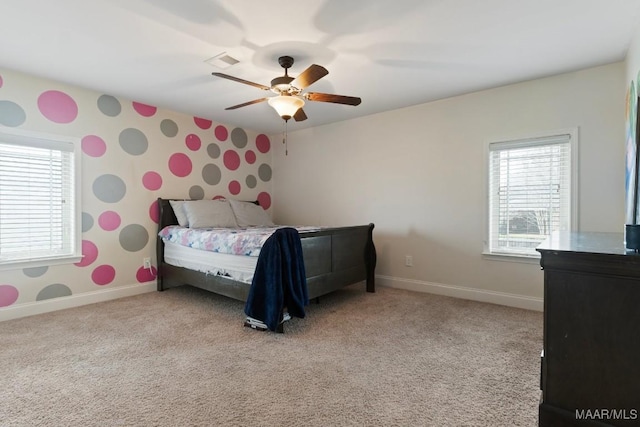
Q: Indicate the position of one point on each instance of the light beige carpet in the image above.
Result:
(183, 358)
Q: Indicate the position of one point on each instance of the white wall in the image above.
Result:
(633, 59)
(418, 173)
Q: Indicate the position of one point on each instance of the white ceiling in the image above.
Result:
(391, 53)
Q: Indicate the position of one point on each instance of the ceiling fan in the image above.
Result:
(290, 99)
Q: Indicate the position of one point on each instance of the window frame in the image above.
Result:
(574, 189)
(33, 138)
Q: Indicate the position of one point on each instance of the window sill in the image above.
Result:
(524, 259)
(19, 265)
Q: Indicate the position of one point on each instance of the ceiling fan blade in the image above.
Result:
(300, 115)
(236, 79)
(309, 76)
(336, 99)
(255, 101)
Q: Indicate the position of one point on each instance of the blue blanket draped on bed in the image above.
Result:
(279, 280)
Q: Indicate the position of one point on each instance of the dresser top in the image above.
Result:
(591, 242)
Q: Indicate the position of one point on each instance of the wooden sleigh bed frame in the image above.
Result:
(333, 258)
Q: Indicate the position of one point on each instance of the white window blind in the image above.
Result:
(38, 214)
(529, 193)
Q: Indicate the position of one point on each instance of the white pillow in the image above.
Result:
(209, 213)
(179, 212)
(248, 214)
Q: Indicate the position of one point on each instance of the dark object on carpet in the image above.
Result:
(279, 280)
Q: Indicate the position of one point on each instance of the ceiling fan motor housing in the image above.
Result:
(281, 85)
(285, 62)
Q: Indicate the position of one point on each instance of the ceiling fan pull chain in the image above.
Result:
(284, 138)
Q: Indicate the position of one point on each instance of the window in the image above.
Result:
(531, 192)
(39, 200)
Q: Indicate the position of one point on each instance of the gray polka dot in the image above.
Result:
(87, 222)
(133, 141)
(35, 271)
(109, 188)
(213, 150)
(134, 237)
(264, 172)
(11, 114)
(251, 181)
(196, 193)
(211, 174)
(56, 290)
(169, 128)
(109, 106)
(239, 137)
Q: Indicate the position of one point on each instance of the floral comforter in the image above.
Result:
(234, 241)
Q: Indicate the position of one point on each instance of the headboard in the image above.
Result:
(166, 216)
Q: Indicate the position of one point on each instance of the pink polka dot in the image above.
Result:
(202, 123)
(93, 146)
(234, 187)
(146, 274)
(265, 200)
(0, 81)
(221, 133)
(144, 109)
(193, 142)
(180, 164)
(57, 106)
(152, 180)
(89, 253)
(8, 295)
(154, 212)
(231, 160)
(109, 220)
(262, 143)
(250, 157)
(219, 198)
(103, 275)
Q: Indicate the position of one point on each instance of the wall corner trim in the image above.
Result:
(54, 304)
(474, 294)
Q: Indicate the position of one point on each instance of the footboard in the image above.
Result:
(333, 258)
(338, 257)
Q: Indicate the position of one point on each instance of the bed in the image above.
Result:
(333, 258)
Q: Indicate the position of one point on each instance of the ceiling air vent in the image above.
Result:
(222, 61)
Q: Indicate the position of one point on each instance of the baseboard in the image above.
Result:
(53, 304)
(482, 295)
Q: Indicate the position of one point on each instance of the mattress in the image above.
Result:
(234, 241)
(236, 267)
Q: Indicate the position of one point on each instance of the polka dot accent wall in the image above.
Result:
(133, 141)
(144, 110)
(94, 146)
(202, 123)
(11, 114)
(8, 295)
(57, 106)
(109, 106)
(132, 153)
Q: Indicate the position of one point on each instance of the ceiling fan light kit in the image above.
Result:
(289, 100)
(286, 105)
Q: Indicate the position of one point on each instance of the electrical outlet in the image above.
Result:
(146, 262)
(408, 261)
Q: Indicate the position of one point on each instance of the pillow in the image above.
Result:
(179, 212)
(248, 214)
(209, 213)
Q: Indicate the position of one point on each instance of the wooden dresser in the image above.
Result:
(591, 359)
